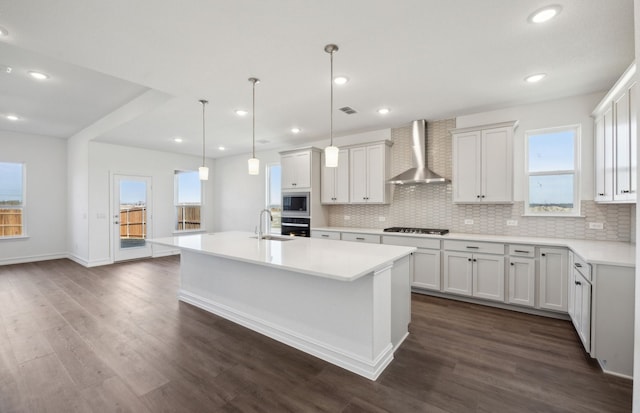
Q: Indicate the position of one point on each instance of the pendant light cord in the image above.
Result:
(253, 140)
(331, 107)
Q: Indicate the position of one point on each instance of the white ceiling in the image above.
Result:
(425, 59)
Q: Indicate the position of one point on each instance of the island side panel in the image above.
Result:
(400, 300)
(334, 320)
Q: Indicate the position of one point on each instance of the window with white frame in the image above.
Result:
(552, 171)
(188, 200)
(12, 199)
(274, 194)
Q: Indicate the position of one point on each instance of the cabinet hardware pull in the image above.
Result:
(473, 248)
(601, 194)
(469, 259)
(544, 255)
(521, 251)
(625, 191)
(512, 264)
(482, 196)
(578, 283)
(474, 260)
(325, 235)
(360, 239)
(477, 196)
(577, 265)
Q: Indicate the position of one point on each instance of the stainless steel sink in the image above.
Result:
(275, 238)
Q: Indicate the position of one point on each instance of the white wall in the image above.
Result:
(106, 160)
(636, 352)
(46, 197)
(78, 199)
(562, 112)
(239, 196)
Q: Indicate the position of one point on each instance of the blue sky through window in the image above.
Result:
(275, 179)
(133, 193)
(189, 188)
(11, 183)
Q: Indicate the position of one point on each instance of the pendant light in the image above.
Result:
(331, 152)
(203, 171)
(254, 163)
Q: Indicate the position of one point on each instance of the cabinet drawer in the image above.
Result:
(582, 266)
(429, 243)
(325, 234)
(473, 246)
(522, 251)
(370, 238)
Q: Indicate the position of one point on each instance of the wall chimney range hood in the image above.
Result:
(419, 174)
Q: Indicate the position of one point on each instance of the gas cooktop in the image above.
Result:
(407, 230)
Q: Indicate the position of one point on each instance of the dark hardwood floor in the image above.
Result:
(115, 338)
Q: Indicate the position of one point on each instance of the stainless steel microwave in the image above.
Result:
(296, 204)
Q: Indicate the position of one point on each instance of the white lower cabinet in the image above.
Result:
(425, 264)
(553, 279)
(357, 237)
(477, 275)
(580, 301)
(522, 281)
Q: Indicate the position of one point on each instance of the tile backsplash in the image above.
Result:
(431, 206)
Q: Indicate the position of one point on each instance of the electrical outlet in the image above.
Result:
(347, 217)
(512, 223)
(382, 219)
(596, 225)
(468, 222)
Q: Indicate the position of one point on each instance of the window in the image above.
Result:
(12, 200)
(188, 198)
(274, 194)
(552, 178)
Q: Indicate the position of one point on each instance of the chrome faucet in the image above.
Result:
(261, 223)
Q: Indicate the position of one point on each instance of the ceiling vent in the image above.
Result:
(348, 110)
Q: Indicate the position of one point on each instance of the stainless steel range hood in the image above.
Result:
(420, 173)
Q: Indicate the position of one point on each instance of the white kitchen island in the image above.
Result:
(346, 303)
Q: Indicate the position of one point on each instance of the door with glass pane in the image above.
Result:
(131, 217)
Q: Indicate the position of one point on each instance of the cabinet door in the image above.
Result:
(466, 167)
(302, 170)
(522, 281)
(622, 181)
(458, 267)
(604, 156)
(288, 170)
(376, 179)
(553, 279)
(571, 306)
(497, 169)
(358, 174)
(633, 138)
(488, 277)
(426, 269)
(328, 183)
(582, 309)
(341, 192)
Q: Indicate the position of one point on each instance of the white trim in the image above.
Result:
(165, 253)
(576, 211)
(17, 237)
(370, 369)
(33, 258)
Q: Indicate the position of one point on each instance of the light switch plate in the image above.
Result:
(596, 225)
(468, 222)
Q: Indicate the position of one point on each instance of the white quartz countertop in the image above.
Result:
(594, 252)
(343, 261)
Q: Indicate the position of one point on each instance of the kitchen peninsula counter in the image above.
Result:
(346, 303)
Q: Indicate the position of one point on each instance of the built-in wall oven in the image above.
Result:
(299, 227)
(296, 214)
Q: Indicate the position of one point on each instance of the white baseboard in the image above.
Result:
(98, 263)
(78, 260)
(369, 368)
(32, 258)
(613, 373)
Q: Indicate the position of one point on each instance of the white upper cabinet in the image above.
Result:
(296, 170)
(615, 159)
(483, 164)
(334, 182)
(368, 173)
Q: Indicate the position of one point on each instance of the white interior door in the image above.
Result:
(131, 217)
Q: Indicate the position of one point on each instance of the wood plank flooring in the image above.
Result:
(115, 339)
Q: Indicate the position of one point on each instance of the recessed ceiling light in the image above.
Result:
(221, 148)
(241, 112)
(177, 139)
(13, 117)
(340, 80)
(296, 130)
(6, 69)
(384, 111)
(544, 14)
(535, 78)
(38, 75)
(3, 32)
